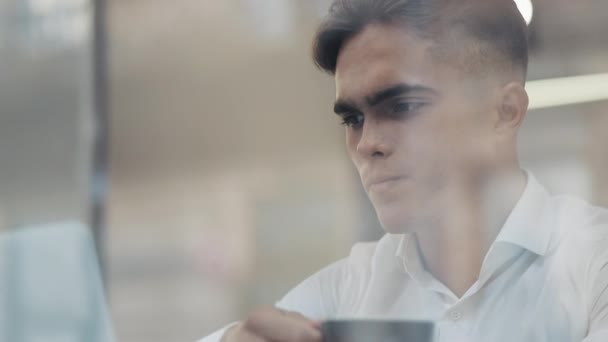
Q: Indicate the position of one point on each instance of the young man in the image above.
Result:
(432, 96)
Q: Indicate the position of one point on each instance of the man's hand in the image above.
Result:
(269, 324)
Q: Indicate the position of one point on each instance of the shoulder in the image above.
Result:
(580, 242)
(579, 226)
(364, 259)
(338, 285)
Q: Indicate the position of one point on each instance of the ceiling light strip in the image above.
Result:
(567, 90)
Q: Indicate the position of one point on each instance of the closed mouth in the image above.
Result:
(384, 181)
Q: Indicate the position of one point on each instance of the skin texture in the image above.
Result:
(433, 147)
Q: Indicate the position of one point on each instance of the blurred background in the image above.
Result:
(196, 139)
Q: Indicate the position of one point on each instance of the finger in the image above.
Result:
(241, 334)
(317, 324)
(304, 319)
(248, 336)
(278, 325)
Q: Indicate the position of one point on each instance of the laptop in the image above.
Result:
(50, 286)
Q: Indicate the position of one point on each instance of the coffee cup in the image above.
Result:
(377, 330)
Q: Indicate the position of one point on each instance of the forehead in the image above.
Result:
(382, 55)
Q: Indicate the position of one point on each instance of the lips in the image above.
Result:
(383, 181)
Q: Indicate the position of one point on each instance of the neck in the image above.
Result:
(472, 216)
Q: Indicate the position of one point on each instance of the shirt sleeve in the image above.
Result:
(317, 297)
(598, 301)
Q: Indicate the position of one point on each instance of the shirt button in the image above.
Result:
(455, 315)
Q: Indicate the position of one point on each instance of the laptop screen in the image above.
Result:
(50, 286)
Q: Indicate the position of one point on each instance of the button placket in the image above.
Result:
(455, 315)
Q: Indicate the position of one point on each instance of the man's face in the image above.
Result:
(419, 131)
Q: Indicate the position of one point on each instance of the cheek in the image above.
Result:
(425, 145)
(458, 152)
(434, 152)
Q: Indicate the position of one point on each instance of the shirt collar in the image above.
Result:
(409, 257)
(407, 251)
(526, 226)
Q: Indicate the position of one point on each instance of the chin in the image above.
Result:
(401, 218)
(395, 221)
(393, 213)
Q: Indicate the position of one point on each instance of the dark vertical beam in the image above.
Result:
(99, 178)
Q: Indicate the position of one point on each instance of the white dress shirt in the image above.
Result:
(544, 279)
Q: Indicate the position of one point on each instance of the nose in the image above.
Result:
(373, 141)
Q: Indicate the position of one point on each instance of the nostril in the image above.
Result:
(378, 154)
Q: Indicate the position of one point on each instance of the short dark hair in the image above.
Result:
(479, 35)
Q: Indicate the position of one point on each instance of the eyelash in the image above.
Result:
(411, 106)
(400, 108)
(346, 120)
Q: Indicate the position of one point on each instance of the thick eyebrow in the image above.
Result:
(396, 90)
(343, 106)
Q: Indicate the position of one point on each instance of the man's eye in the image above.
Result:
(353, 120)
(406, 107)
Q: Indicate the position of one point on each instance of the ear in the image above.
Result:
(512, 108)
